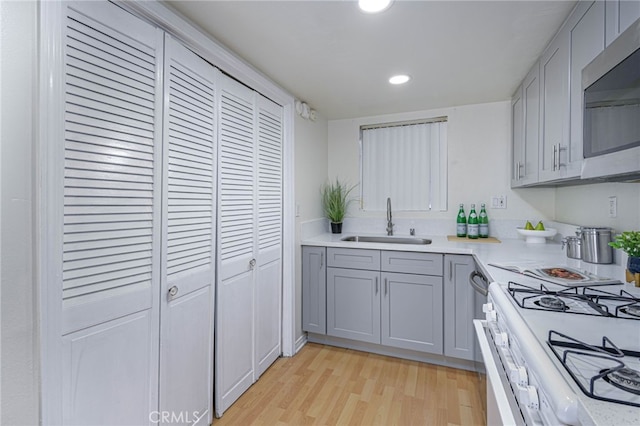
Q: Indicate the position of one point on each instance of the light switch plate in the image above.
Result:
(499, 202)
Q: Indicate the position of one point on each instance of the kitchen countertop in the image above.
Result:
(508, 251)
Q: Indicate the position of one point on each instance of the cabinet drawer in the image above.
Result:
(353, 258)
(412, 263)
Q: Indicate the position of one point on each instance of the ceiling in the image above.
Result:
(338, 59)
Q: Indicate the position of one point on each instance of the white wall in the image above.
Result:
(19, 371)
(478, 161)
(310, 174)
(588, 205)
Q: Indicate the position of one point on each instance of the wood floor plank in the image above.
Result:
(324, 385)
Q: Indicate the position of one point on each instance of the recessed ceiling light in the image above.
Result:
(374, 6)
(399, 79)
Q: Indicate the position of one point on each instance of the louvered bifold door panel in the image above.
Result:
(108, 353)
(270, 135)
(269, 243)
(188, 231)
(237, 168)
(110, 170)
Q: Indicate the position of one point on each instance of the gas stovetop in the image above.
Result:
(584, 300)
(601, 370)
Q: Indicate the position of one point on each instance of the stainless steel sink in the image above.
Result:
(387, 240)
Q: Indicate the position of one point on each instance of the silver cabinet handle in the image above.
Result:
(560, 148)
(451, 270)
(173, 291)
(252, 264)
(376, 285)
(321, 259)
(555, 153)
(386, 284)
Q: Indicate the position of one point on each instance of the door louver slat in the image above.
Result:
(109, 167)
(269, 179)
(191, 136)
(236, 176)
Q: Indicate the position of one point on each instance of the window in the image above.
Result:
(406, 162)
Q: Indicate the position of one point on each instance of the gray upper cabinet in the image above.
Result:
(525, 110)
(547, 107)
(586, 29)
(314, 290)
(353, 304)
(620, 14)
(554, 109)
(462, 304)
(412, 311)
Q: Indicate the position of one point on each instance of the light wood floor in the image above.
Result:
(324, 385)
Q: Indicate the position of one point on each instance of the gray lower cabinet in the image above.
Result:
(461, 305)
(353, 304)
(412, 311)
(314, 289)
(370, 301)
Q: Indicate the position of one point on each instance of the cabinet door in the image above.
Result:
(412, 262)
(105, 297)
(412, 312)
(531, 126)
(353, 304)
(314, 290)
(353, 258)
(587, 41)
(620, 14)
(269, 233)
(188, 234)
(460, 307)
(517, 137)
(554, 108)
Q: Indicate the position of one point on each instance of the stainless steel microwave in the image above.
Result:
(611, 124)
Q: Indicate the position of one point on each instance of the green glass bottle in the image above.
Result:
(461, 223)
(483, 222)
(472, 223)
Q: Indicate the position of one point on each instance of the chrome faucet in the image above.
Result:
(389, 223)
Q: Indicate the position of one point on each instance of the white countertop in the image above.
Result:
(507, 251)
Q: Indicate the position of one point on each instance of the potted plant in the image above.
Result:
(629, 242)
(335, 200)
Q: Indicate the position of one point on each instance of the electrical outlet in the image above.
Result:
(499, 202)
(613, 206)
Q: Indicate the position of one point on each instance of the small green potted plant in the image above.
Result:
(629, 242)
(335, 201)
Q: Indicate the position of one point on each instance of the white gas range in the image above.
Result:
(558, 355)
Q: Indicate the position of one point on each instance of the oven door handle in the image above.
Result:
(482, 289)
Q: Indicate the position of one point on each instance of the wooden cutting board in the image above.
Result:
(455, 239)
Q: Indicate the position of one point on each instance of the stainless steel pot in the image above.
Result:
(595, 244)
(573, 247)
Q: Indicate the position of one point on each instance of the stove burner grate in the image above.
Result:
(618, 375)
(624, 378)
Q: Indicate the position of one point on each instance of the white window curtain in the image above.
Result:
(407, 163)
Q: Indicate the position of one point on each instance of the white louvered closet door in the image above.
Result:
(234, 361)
(269, 243)
(188, 234)
(111, 212)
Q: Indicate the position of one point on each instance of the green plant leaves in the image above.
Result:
(335, 200)
(629, 242)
